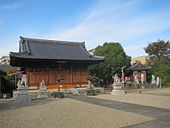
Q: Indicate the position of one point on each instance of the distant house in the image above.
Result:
(5, 60)
(142, 59)
(47, 59)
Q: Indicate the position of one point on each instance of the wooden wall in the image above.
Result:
(73, 78)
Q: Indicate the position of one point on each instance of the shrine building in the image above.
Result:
(138, 70)
(47, 59)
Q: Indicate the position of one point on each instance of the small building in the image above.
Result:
(5, 60)
(47, 59)
(138, 70)
(142, 59)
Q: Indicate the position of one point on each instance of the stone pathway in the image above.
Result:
(162, 115)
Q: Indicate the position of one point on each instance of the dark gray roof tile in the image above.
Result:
(138, 67)
(31, 48)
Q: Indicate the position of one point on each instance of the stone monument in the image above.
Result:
(160, 83)
(153, 82)
(117, 86)
(142, 78)
(157, 82)
(42, 91)
(23, 94)
(136, 82)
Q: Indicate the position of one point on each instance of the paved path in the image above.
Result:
(162, 115)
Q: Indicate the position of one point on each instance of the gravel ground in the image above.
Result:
(71, 113)
(159, 91)
(67, 113)
(142, 99)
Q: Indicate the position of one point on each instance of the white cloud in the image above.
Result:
(109, 21)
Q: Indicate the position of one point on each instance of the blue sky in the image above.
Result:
(133, 23)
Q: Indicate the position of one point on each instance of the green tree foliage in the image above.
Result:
(159, 60)
(115, 59)
(8, 85)
(158, 52)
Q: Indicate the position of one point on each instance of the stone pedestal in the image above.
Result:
(23, 95)
(90, 91)
(117, 89)
(42, 93)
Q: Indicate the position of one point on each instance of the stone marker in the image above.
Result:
(157, 82)
(153, 82)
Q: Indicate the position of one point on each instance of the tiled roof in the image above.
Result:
(138, 67)
(31, 48)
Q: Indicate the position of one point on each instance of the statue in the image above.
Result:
(116, 79)
(22, 82)
(117, 86)
(42, 90)
(136, 81)
(23, 94)
(42, 85)
(153, 80)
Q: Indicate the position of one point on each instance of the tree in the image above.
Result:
(159, 60)
(158, 52)
(115, 59)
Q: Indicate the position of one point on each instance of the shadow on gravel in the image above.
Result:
(162, 115)
(129, 107)
(12, 105)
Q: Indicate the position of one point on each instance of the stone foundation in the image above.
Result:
(22, 95)
(77, 91)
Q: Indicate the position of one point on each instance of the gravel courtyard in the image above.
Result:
(85, 112)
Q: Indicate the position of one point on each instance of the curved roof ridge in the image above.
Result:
(50, 41)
